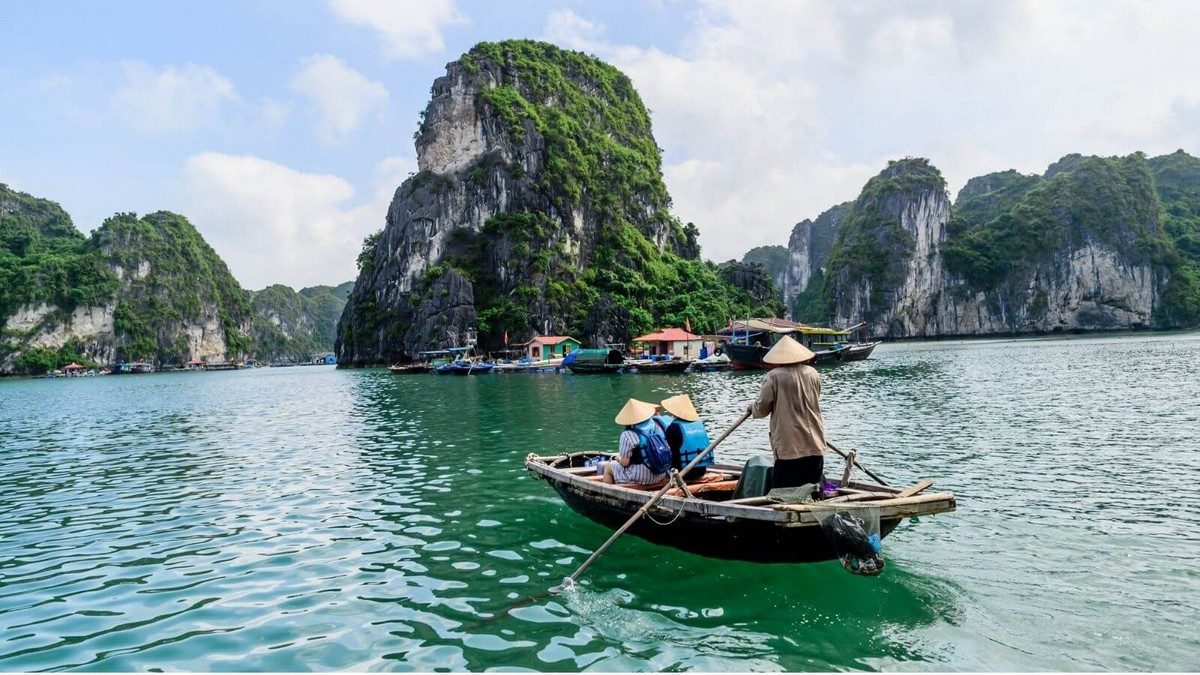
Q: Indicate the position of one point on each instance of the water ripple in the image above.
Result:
(308, 518)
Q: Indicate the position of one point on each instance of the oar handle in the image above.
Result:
(867, 471)
(651, 502)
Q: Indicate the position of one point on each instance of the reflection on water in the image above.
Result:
(308, 518)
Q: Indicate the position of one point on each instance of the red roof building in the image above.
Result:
(672, 341)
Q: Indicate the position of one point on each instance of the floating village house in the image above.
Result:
(673, 341)
(551, 347)
(326, 359)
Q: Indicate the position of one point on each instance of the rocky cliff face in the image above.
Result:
(539, 204)
(138, 289)
(755, 281)
(293, 326)
(774, 260)
(177, 300)
(1075, 250)
(808, 253)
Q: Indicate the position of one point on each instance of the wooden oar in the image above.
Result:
(570, 581)
(856, 463)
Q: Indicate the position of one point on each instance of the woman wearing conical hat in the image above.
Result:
(686, 435)
(791, 395)
(644, 456)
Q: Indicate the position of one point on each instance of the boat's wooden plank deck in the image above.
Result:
(892, 504)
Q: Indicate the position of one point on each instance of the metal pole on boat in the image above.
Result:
(570, 581)
(856, 463)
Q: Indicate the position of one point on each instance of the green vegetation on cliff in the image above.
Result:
(1005, 233)
(596, 130)
(44, 259)
(871, 242)
(600, 157)
(291, 326)
(170, 276)
(774, 260)
(1177, 181)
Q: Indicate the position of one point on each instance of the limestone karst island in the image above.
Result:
(780, 336)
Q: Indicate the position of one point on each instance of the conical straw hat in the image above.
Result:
(787, 352)
(681, 407)
(635, 412)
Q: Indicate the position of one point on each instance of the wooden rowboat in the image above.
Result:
(648, 367)
(710, 523)
(409, 368)
(861, 351)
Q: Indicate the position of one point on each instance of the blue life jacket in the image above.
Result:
(695, 440)
(652, 449)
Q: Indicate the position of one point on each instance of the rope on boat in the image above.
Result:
(653, 500)
(669, 522)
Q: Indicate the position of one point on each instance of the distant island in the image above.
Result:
(539, 208)
(139, 289)
(1094, 243)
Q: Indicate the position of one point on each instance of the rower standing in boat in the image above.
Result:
(644, 456)
(685, 435)
(791, 396)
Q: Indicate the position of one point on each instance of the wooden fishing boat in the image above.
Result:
(860, 351)
(529, 366)
(647, 367)
(750, 356)
(409, 368)
(464, 367)
(711, 523)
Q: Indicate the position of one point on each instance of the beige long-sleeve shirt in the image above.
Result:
(791, 396)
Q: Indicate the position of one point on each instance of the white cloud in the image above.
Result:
(771, 112)
(343, 95)
(171, 99)
(274, 224)
(407, 28)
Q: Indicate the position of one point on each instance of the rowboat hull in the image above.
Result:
(861, 351)
(653, 367)
(760, 532)
(747, 541)
(410, 369)
(595, 368)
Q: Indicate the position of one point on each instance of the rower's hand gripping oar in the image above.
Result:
(569, 582)
(856, 463)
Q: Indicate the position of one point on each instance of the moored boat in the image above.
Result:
(664, 366)
(861, 350)
(713, 363)
(711, 523)
(595, 361)
(750, 340)
(527, 365)
(409, 368)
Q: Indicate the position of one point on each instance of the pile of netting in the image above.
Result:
(853, 533)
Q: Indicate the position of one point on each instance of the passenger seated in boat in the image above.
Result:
(644, 456)
(685, 435)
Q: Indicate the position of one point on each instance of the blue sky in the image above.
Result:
(282, 128)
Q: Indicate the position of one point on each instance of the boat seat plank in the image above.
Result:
(915, 489)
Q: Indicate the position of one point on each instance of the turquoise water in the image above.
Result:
(314, 519)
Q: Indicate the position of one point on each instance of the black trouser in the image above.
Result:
(797, 472)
